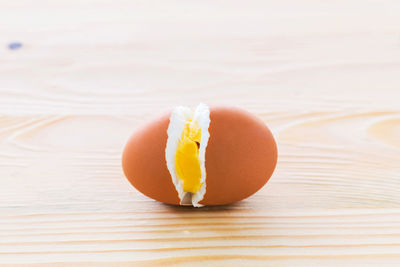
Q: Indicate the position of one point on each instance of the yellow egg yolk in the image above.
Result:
(187, 163)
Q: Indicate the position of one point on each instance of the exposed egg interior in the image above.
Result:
(185, 152)
(187, 162)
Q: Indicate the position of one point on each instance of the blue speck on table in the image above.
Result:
(14, 45)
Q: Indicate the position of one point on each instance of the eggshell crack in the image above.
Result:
(179, 116)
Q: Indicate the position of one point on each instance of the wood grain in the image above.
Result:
(324, 76)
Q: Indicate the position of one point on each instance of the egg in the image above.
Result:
(202, 156)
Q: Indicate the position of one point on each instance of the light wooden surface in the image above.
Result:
(324, 75)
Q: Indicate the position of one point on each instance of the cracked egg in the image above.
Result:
(201, 156)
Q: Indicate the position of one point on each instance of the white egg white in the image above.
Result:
(179, 116)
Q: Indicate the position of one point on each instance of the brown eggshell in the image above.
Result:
(240, 158)
(144, 164)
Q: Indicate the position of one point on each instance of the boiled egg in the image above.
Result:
(201, 156)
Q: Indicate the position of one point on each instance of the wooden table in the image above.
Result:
(324, 75)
